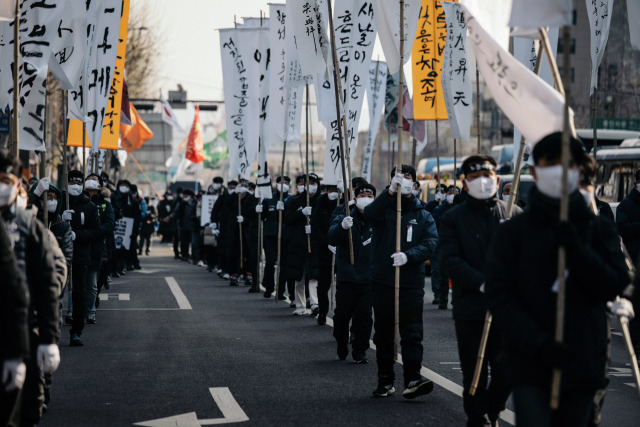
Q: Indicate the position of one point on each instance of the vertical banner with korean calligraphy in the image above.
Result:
(542, 13)
(355, 30)
(387, 13)
(375, 97)
(456, 77)
(241, 92)
(599, 21)
(263, 59)
(277, 71)
(310, 39)
(633, 13)
(530, 103)
(427, 57)
(68, 51)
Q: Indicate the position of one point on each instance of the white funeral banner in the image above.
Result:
(542, 13)
(310, 39)
(241, 75)
(526, 51)
(599, 21)
(89, 102)
(355, 29)
(69, 48)
(122, 233)
(633, 13)
(375, 97)
(456, 77)
(252, 22)
(208, 201)
(493, 16)
(263, 59)
(530, 103)
(387, 15)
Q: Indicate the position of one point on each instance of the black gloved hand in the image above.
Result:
(552, 354)
(567, 235)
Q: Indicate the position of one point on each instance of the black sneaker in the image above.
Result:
(360, 360)
(384, 390)
(248, 281)
(90, 320)
(417, 388)
(435, 301)
(234, 281)
(267, 294)
(76, 341)
(322, 319)
(292, 304)
(68, 320)
(343, 351)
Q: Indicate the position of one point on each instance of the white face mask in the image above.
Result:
(283, 188)
(169, 198)
(241, 189)
(588, 196)
(232, 190)
(482, 188)
(217, 186)
(187, 199)
(123, 189)
(439, 197)
(506, 197)
(313, 189)
(407, 186)
(415, 192)
(7, 194)
(91, 185)
(300, 188)
(75, 189)
(363, 202)
(52, 205)
(549, 180)
(332, 196)
(450, 198)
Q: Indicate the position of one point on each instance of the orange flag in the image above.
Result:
(134, 136)
(195, 142)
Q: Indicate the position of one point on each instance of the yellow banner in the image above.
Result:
(427, 54)
(111, 125)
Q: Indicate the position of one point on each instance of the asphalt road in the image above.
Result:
(176, 344)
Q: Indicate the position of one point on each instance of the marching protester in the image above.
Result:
(176, 223)
(183, 215)
(127, 207)
(465, 233)
(144, 210)
(270, 209)
(302, 259)
(250, 236)
(506, 195)
(148, 227)
(353, 287)
(36, 254)
(166, 227)
(418, 241)
(524, 305)
(439, 197)
(223, 219)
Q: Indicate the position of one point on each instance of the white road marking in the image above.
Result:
(183, 302)
(113, 297)
(507, 415)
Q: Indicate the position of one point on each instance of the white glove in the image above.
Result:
(240, 219)
(307, 229)
(216, 232)
(482, 288)
(396, 182)
(14, 372)
(258, 208)
(352, 202)
(280, 206)
(43, 185)
(332, 249)
(399, 259)
(48, 358)
(306, 211)
(213, 226)
(347, 222)
(73, 236)
(621, 308)
(68, 214)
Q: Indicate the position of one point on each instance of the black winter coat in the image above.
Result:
(299, 257)
(465, 234)
(320, 224)
(628, 221)
(361, 234)
(381, 214)
(521, 268)
(128, 207)
(250, 216)
(107, 225)
(85, 223)
(270, 214)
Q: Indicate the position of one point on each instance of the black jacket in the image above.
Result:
(86, 224)
(320, 224)
(127, 206)
(604, 210)
(361, 234)
(107, 225)
(298, 256)
(270, 214)
(521, 268)
(465, 234)
(628, 221)
(250, 224)
(381, 214)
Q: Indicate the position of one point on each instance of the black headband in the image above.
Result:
(485, 166)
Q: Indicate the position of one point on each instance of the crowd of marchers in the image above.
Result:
(497, 259)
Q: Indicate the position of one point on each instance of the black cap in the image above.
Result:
(364, 188)
(453, 187)
(442, 187)
(286, 178)
(550, 148)
(406, 169)
(75, 174)
(232, 182)
(218, 180)
(312, 177)
(357, 181)
(478, 162)
(188, 192)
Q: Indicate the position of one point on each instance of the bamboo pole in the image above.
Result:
(240, 226)
(307, 166)
(344, 145)
(478, 129)
(255, 287)
(438, 153)
(396, 329)
(594, 109)
(455, 162)
(42, 172)
(624, 322)
(284, 152)
(15, 146)
(65, 170)
(333, 282)
(413, 152)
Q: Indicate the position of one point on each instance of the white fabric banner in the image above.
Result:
(122, 232)
(263, 58)
(493, 16)
(375, 97)
(208, 200)
(69, 48)
(168, 116)
(599, 22)
(253, 22)
(526, 51)
(8, 10)
(387, 15)
(89, 102)
(541, 13)
(310, 37)
(241, 75)
(633, 13)
(355, 29)
(530, 103)
(102, 157)
(456, 77)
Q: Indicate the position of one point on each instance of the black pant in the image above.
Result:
(185, 240)
(78, 297)
(411, 305)
(324, 280)
(532, 407)
(490, 398)
(353, 304)
(10, 406)
(33, 390)
(250, 253)
(211, 255)
(176, 243)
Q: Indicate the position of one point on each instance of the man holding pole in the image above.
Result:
(465, 233)
(270, 244)
(418, 241)
(524, 305)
